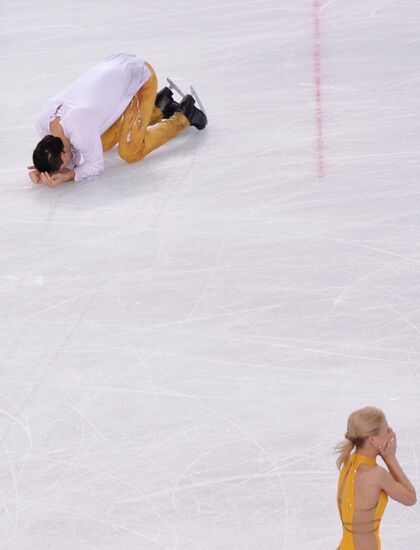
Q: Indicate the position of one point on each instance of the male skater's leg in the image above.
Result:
(110, 137)
(136, 137)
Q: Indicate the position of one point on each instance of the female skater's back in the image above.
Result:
(361, 505)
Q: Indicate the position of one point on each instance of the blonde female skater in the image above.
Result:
(363, 486)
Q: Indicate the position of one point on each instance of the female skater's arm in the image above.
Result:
(395, 483)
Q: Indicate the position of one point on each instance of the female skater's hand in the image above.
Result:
(389, 450)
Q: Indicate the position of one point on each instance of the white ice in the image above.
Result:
(183, 339)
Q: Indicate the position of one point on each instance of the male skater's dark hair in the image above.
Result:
(47, 154)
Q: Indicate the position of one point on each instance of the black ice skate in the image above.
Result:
(196, 117)
(166, 103)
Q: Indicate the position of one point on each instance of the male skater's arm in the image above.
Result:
(90, 147)
(52, 180)
(55, 178)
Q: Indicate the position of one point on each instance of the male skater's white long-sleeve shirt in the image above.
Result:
(91, 105)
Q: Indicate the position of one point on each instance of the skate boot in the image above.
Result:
(165, 102)
(196, 117)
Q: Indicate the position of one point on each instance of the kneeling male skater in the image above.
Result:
(114, 102)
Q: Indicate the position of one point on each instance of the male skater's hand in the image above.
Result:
(34, 175)
(52, 180)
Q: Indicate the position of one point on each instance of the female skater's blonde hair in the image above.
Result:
(360, 425)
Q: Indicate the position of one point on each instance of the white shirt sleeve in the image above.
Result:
(92, 153)
(87, 143)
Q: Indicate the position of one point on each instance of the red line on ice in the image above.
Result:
(317, 87)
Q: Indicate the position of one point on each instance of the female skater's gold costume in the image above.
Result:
(360, 526)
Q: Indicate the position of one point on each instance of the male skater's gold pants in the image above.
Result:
(141, 128)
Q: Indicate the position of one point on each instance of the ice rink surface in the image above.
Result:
(183, 339)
